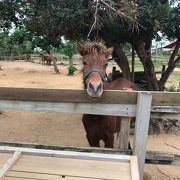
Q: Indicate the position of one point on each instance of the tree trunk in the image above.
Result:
(54, 64)
(70, 61)
(122, 61)
(132, 63)
(173, 61)
(149, 70)
(148, 45)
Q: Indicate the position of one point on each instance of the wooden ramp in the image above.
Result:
(36, 164)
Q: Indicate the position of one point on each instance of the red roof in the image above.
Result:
(171, 45)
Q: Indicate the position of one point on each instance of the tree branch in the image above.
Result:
(135, 24)
(95, 23)
(175, 51)
(171, 66)
(113, 9)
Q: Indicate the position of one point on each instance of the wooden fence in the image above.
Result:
(35, 58)
(12, 57)
(27, 57)
(141, 105)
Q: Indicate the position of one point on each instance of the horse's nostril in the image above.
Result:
(91, 86)
(99, 86)
(95, 88)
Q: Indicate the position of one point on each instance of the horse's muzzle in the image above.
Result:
(95, 90)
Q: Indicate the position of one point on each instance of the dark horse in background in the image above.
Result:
(100, 127)
(46, 60)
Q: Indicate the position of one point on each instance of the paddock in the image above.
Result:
(29, 128)
(141, 105)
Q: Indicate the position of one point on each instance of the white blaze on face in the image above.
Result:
(95, 85)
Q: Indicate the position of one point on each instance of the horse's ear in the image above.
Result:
(109, 52)
(81, 49)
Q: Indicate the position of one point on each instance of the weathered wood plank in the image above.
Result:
(13, 175)
(9, 164)
(166, 116)
(124, 133)
(66, 95)
(151, 156)
(4, 158)
(166, 112)
(154, 156)
(53, 178)
(74, 167)
(141, 128)
(68, 154)
(88, 108)
(165, 98)
(17, 178)
(166, 109)
(100, 166)
(66, 148)
(134, 168)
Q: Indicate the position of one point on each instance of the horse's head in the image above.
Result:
(94, 67)
(41, 55)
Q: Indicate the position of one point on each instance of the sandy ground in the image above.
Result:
(60, 128)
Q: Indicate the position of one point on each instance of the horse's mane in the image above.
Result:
(94, 48)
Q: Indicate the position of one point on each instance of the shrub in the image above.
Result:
(171, 89)
(71, 70)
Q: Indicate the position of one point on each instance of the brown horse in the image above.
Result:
(46, 60)
(100, 127)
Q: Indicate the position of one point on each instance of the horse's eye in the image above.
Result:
(105, 65)
(84, 63)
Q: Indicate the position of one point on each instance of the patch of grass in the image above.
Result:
(159, 60)
(174, 79)
(158, 63)
(178, 65)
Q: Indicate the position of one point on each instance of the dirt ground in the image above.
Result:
(60, 128)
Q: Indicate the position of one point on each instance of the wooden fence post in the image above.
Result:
(124, 133)
(141, 128)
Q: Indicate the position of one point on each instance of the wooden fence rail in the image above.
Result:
(11, 57)
(76, 96)
(141, 105)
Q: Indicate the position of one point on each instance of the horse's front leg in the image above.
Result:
(90, 123)
(109, 140)
(108, 129)
(92, 140)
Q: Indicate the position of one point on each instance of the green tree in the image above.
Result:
(4, 45)
(111, 21)
(21, 41)
(11, 14)
(171, 29)
(17, 42)
(69, 50)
